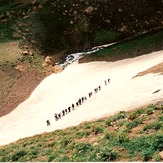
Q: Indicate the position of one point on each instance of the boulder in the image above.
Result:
(89, 10)
(40, 7)
(53, 69)
(124, 28)
(16, 35)
(25, 52)
(147, 23)
(71, 22)
(161, 155)
(20, 68)
(120, 10)
(48, 61)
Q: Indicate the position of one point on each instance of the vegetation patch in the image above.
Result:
(95, 141)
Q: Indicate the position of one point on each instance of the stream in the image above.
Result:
(76, 56)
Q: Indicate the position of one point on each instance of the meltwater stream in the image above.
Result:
(75, 56)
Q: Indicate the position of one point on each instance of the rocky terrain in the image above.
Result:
(55, 28)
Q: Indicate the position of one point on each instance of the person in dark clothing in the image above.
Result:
(90, 94)
(79, 101)
(69, 109)
(63, 113)
(73, 106)
(59, 115)
(108, 80)
(66, 111)
(56, 117)
(48, 123)
(96, 90)
(99, 88)
(82, 99)
(77, 104)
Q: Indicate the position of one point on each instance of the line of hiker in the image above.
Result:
(81, 100)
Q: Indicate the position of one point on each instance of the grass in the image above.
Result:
(6, 32)
(6, 7)
(94, 141)
(104, 37)
(132, 47)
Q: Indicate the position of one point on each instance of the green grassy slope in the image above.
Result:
(129, 48)
(125, 136)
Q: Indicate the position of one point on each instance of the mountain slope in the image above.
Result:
(59, 91)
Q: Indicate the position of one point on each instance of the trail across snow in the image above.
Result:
(59, 91)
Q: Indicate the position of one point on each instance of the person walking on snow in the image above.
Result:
(48, 123)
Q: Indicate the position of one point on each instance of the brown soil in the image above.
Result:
(17, 86)
(155, 69)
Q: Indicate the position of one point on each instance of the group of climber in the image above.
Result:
(81, 100)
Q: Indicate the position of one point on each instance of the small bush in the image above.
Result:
(121, 123)
(146, 146)
(120, 115)
(82, 148)
(147, 155)
(86, 133)
(80, 135)
(5, 159)
(108, 122)
(65, 142)
(87, 126)
(133, 124)
(154, 126)
(150, 110)
(108, 154)
(160, 118)
(158, 142)
(109, 136)
(156, 157)
(122, 138)
(98, 130)
(132, 116)
(140, 111)
(16, 156)
(51, 158)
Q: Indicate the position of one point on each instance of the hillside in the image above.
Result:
(60, 90)
(122, 121)
(53, 26)
(126, 136)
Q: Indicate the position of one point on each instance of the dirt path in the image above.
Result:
(10, 51)
(59, 91)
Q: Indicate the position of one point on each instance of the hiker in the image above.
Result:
(69, 109)
(79, 101)
(56, 117)
(48, 123)
(105, 82)
(77, 104)
(108, 80)
(82, 99)
(63, 113)
(99, 88)
(96, 90)
(73, 106)
(66, 111)
(90, 94)
(59, 115)
(85, 98)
